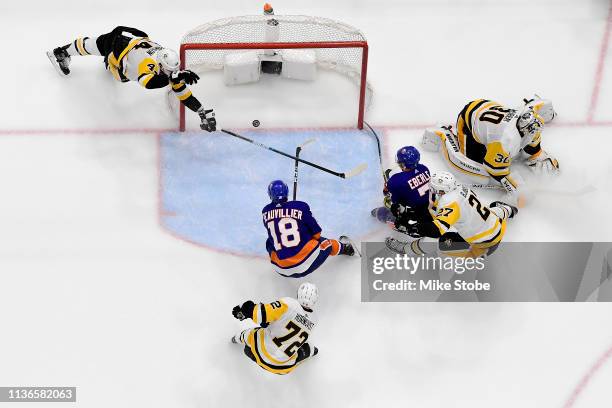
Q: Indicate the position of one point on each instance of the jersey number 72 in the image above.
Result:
(294, 329)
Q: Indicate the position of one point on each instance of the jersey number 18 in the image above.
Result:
(288, 231)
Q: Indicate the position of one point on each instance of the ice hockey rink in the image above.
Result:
(100, 290)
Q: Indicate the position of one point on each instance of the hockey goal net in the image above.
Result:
(335, 46)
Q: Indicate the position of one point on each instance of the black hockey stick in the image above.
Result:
(351, 173)
(295, 170)
(589, 188)
(385, 174)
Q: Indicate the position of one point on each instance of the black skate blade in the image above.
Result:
(354, 245)
(53, 60)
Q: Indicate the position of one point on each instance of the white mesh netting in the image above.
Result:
(292, 29)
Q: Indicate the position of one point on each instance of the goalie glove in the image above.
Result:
(207, 116)
(187, 76)
(542, 161)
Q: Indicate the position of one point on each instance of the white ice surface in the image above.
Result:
(94, 294)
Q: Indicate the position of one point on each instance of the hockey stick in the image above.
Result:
(582, 190)
(351, 173)
(385, 174)
(295, 171)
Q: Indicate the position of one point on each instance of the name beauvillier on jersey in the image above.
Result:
(282, 213)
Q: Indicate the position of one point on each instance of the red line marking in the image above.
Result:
(28, 132)
(156, 132)
(603, 52)
(587, 378)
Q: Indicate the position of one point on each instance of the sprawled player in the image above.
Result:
(406, 192)
(294, 243)
(280, 343)
(465, 226)
(129, 55)
(490, 137)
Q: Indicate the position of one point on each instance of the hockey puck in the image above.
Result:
(256, 123)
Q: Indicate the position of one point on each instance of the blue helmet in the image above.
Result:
(408, 157)
(278, 191)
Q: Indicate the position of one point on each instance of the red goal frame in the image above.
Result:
(286, 45)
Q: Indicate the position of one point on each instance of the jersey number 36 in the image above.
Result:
(288, 234)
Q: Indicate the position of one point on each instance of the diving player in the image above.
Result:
(490, 137)
(130, 55)
(466, 227)
(406, 192)
(294, 242)
(280, 343)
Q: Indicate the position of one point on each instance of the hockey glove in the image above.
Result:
(398, 209)
(543, 162)
(408, 229)
(187, 76)
(237, 313)
(209, 123)
(542, 107)
(508, 211)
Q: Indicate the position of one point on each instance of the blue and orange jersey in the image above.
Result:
(410, 188)
(293, 233)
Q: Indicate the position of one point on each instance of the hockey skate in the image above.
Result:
(395, 245)
(208, 123)
(60, 59)
(349, 248)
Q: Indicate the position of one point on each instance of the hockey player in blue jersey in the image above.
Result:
(294, 243)
(406, 194)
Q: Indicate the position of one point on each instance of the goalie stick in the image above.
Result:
(351, 173)
(295, 170)
(582, 190)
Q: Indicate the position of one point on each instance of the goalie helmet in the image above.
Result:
(442, 182)
(168, 60)
(307, 295)
(278, 191)
(407, 157)
(529, 123)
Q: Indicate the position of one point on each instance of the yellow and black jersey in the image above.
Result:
(487, 133)
(129, 55)
(286, 325)
(136, 62)
(462, 210)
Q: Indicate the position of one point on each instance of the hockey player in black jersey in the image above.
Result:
(129, 55)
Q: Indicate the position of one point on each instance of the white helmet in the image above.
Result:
(529, 122)
(442, 182)
(168, 60)
(307, 295)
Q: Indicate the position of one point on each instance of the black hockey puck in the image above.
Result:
(256, 123)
